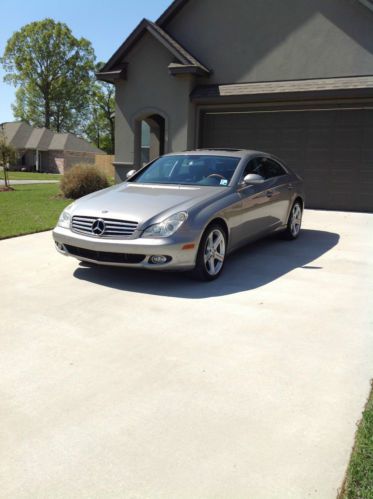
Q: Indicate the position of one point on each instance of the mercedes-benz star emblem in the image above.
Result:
(98, 227)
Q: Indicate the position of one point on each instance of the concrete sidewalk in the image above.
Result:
(27, 182)
(127, 384)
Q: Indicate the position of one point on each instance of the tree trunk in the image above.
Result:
(6, 177)
(112, 135)
(47, 112)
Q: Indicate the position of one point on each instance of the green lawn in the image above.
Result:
(30, 208)
(30, 176)
(359, 479)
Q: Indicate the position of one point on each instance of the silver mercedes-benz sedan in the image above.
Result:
(184, 211)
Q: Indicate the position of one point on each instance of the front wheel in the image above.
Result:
(211, 254)
(295, 222)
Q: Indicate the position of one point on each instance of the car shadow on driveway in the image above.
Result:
(253, 266)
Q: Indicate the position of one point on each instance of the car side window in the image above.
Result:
(265, 167)
(253, 166)
(271, 168)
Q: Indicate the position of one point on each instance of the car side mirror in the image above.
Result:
(130, 173)
(253, 179)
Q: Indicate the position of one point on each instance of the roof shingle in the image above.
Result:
(23, 136)
(282, 87)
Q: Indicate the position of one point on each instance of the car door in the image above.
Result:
(251, 212)
(277, 192)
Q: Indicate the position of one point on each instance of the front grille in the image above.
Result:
(113, 228)
(104, 256)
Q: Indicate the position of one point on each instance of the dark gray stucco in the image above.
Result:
(264, 40)
(150, 89)
(298, 53)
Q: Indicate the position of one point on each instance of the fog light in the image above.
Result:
(157, 259)
(60, 247)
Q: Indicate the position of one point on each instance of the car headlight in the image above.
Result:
(65, 217)
(167, 227)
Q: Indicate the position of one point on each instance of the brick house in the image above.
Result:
(40, 149)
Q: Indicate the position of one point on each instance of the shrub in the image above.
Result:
(82, 180)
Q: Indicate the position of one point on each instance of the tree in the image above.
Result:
(100, 128)
(29, 106)
(53, 70)
(7, 156)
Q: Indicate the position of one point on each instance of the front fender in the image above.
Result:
(202, 218)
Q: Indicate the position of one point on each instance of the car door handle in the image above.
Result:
(269, 194)
(290, 187)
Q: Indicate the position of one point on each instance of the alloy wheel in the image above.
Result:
(296, 220)
(214, 253)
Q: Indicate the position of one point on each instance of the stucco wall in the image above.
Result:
(267, 40)
(151, 89)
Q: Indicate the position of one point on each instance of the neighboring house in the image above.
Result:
(291, 77)
(42, 150)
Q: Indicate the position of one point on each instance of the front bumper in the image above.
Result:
(103, 251)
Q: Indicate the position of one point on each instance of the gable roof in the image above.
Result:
(116, 67)
(70, 142)
(23, 136)
(39, 139)
(174, 47)
(10, 130)
(171, 12)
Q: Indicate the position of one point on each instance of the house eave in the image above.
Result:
(171, 12)
(182, 69)
(126, 45)
(180, 53)
(330, 88)
(112, 76)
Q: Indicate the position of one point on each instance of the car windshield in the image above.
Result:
(189, 170)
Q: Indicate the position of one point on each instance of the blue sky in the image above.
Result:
(106, 24)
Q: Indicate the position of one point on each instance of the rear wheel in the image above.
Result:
(211, 254)
(295, 222)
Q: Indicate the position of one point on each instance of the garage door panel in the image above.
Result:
(367, 146)
(366, 171)
(342, 156)
(317, 155)
(349, 133)
(327, 148)
(317, 137)
(290, 120)
(367, 156)
(342, 174)
(292, 134)
(318, 119)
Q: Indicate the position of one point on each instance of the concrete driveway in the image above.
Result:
(127, 384)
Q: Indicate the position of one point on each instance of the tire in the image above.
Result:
(294, 222)
(209, 269)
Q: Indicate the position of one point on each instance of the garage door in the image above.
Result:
(332, 150)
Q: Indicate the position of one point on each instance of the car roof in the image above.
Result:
(229, 152)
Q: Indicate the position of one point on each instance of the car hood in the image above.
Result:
(143, 203)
